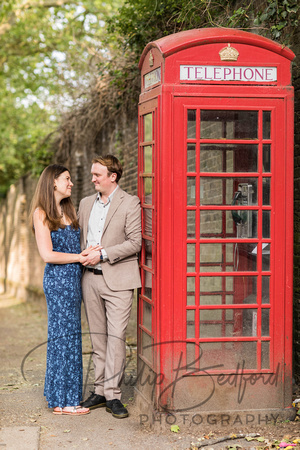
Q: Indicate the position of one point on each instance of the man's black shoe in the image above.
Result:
(94, 401)
(116, 408)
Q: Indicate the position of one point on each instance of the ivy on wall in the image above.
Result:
(277, 20)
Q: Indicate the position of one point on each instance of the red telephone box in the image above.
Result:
(216, 186)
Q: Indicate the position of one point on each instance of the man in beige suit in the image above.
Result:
(111, 218)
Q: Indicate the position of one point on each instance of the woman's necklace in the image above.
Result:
(64, 219)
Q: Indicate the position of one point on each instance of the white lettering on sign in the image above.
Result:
(152, 78)
(228, 73)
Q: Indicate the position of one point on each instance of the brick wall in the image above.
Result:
(119, 137)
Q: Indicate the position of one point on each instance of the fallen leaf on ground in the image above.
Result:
(259, 439)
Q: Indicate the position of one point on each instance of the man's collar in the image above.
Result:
(110, 197)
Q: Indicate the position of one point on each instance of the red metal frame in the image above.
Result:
(277, 196)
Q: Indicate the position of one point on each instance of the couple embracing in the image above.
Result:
(95, 256)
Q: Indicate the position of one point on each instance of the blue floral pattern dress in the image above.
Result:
(62, 287)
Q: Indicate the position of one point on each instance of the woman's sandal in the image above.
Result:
(71, 410)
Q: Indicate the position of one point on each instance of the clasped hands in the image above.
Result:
(90, 256)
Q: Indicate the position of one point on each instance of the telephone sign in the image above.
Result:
(228, 73)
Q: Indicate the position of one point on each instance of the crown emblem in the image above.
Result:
(229, 54)
(151, 59)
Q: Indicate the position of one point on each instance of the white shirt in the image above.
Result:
(96, 223)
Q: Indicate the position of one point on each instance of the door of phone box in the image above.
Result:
(216, 186)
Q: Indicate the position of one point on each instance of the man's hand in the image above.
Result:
(82, 259)
(88, 250)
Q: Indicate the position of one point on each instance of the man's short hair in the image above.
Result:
(112, 163)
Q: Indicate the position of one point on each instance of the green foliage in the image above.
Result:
(281, 17)
(21, 148)
(47, 61)
(141, 21)
(240, 17)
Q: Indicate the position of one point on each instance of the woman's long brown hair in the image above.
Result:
(44, 199)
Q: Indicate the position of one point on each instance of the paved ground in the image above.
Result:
(27, 423)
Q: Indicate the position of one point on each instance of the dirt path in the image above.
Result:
(25, 416)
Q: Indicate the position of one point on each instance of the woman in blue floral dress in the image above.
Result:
(58, 239)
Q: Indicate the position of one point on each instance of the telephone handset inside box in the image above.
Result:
(243, 218)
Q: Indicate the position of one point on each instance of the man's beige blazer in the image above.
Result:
(121, 239)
